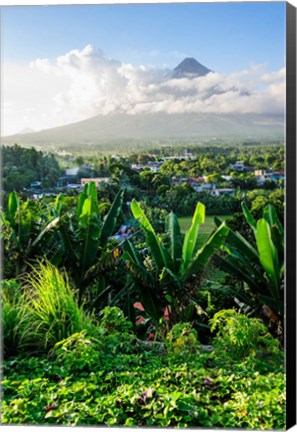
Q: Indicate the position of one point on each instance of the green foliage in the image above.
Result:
(260, 267)
(83, 237)
(53, 310)
(113, 320)
(239, 336)
(162, 277)
(65, 367)
(156, 215)
(90, 347)
(15, 318)
(245, 181)
(80, 351)
(182, 338)
(21, 166)
(27, 229)
(82, 385)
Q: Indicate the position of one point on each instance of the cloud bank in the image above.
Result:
(83, 83)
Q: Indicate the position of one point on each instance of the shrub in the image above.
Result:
(15, 317)
(239, 336)
(182, 338)
(113, 320)
(78, 351)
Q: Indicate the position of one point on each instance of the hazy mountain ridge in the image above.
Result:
(155, 126)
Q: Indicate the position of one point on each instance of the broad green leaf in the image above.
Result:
(145, 284)
(92, 193)
(13, 205)
(251, 221)
(152, 239)
(250, 265)
(271, 217)
(268, 253)
(277, 230)
(90, 243)
(129, 247)
(81, 199)
(237, 241)
(174, 238)
(58, 204)
(191, 236)
(231, 265)
(206, 252)
(217, 221)
(111, 218)
(51, 225)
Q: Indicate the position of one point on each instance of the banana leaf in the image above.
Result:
(191, 236)
(13, 206)
(206, 252)
(268, 254)
(152, 239)
(111, 218)
(174, 239)
(251, 221)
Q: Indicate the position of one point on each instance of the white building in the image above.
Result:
(238, 166)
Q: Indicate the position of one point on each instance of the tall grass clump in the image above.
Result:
(53, 307)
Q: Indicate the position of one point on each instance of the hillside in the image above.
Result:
(104, 129)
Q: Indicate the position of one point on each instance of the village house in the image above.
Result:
(238, 166)
(152, 166)
(205, 187)
(36, 185)
(96, 180)
(179, 180)
(72, 172)
(186, 155)
(263, 175)
(223, 191)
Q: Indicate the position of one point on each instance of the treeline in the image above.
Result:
(21, 166)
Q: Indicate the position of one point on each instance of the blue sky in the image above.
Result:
(58, 61)
(223, 36)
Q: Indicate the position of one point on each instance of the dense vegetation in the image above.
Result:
(22, 166)
(169, 321)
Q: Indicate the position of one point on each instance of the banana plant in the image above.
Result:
(84, 236)
(167, 276)
(261, 267)
(26, 228)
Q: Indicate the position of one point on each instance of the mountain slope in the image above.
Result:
(189, 67)
(117, 127)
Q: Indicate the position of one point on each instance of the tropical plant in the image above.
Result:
(15, 317)
(182, 338)
(239, 336)
(26, 229)
(261, 268)
(84, 237)
(167, 273)
(85, 383)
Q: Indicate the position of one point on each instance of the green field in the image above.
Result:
(204, 229)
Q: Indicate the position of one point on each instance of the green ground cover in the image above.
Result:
(72, 359)
(115, 379)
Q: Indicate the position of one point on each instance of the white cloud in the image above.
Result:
(84, 83)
